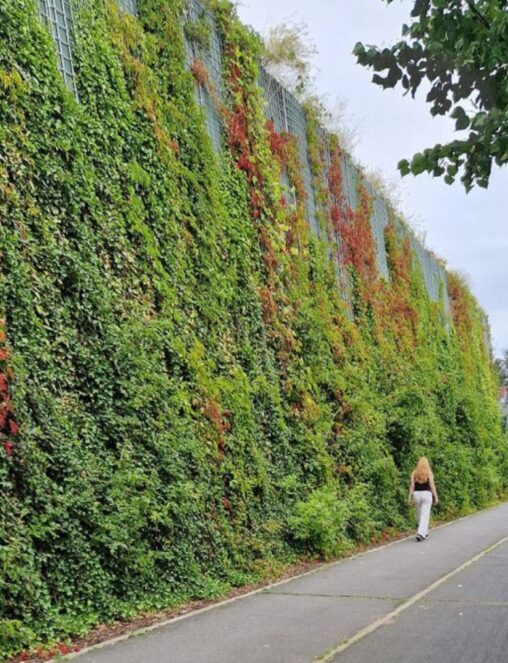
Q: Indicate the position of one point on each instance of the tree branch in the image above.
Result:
(478, 14)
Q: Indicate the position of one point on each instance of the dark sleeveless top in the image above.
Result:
(422, 486)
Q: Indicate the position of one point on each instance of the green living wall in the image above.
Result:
(188, 399)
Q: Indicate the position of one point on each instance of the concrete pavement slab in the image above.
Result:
(406, 567)
(439, 633)
(464, 620)
(264, 627)
(296, 621)
(485, 581)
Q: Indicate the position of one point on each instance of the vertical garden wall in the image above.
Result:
(220, 349)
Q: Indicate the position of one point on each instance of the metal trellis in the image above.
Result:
(211, 56)
(129, 6)
(57, 14)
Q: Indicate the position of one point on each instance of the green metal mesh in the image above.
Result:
(297, 126)
(57, 14)
(288, 115)
(379, 221)
(211, 57)
(275, 109)
(350, 181)
(129, 6)
(444, 286)
(434, 274)
(275, 112)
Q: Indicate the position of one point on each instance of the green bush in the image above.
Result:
(365, 517)
(321, 522)
(14, 635)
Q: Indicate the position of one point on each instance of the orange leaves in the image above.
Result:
(340, 212)
(200, 72)
(221, 423)
(278, 143)
(460, 306)
(399, 256)
(400, 312)
(358, 241)
(269, 306)
(352, 226)
(284, 147)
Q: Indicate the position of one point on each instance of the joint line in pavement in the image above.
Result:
(339, 596)
(331, 654)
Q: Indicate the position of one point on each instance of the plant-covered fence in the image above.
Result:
(220, 349)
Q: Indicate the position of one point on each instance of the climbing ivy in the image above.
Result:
(188, 399)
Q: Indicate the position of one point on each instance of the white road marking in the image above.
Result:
(388, 619)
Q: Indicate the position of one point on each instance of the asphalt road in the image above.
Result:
(444, 600)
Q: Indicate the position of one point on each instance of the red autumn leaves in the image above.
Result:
(46, 654)
(340, 212)
(8, 425)
(352, 226)
(200, 72)
(220, 420)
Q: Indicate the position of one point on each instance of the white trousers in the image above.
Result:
(423, 502)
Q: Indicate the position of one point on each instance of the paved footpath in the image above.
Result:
(443, 600)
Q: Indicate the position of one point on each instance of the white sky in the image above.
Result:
(470, 231)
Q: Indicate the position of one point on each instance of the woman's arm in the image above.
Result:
(433, 489)
(411, 489)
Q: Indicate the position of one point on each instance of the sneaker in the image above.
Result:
(419, 537)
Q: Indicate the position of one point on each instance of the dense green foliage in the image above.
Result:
(458, 51)
(195, 404)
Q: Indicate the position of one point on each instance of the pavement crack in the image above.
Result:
(363, 597)
(338, 596)
(467, 602)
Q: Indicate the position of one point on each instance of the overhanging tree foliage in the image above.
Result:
(458, 51)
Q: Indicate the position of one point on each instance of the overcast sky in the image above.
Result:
(470, 231)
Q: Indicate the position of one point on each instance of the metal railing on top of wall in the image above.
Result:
(211, 57)
(129, 6)
(287, 115)
(57, 15)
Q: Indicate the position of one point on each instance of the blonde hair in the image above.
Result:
(422, 471)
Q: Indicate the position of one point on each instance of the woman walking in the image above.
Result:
(422, 491)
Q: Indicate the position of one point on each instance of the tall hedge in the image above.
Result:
(187, 398)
